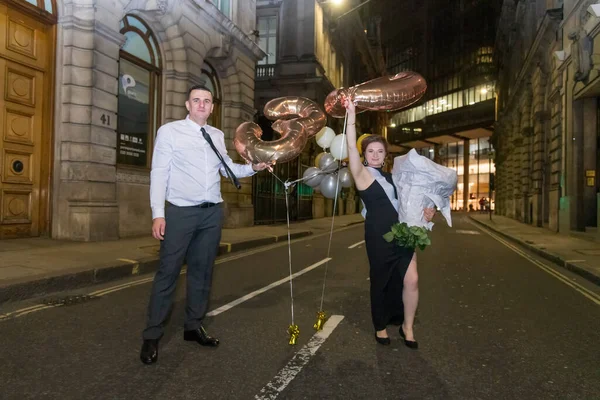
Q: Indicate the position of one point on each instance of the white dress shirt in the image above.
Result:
(185, 169)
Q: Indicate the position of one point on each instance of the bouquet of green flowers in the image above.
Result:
(408, 236)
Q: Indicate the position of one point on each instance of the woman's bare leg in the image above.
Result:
(410, 297)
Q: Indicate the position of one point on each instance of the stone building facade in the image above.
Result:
(546, 137)
(109, 73)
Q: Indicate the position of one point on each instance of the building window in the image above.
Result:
(211, 81)
(224, 6)
(267, 39)
(47, 5)
(139, 93)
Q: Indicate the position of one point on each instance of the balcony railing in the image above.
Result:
(265, 71)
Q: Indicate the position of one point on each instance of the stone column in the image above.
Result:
(525, 150)
(238, 106)
(85, 183)
(288, 45)
(555, 152)
(539, 165)
(513, 179)
(575, 172)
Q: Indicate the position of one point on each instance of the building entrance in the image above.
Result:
(25, 123)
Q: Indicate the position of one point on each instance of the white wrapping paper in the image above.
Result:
(421, 183)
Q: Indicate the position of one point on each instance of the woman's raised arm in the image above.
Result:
(362, 177)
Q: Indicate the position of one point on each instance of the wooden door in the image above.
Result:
(23, 131)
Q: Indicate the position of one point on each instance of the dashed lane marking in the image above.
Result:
(112, 289)
(564, 279)
(278, 384)
(356, 244)
(24, 311)
(242, 299)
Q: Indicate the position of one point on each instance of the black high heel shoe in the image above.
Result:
(411, 344)
(383, 340)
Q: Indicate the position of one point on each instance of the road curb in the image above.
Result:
(556, 259)
(23, 289)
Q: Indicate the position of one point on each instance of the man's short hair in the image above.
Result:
(199, 87)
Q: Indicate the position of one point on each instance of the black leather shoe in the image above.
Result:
(149, 353)
(383, 340)
(412, 344)
(199, 335)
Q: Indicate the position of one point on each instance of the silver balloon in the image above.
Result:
(327, 163)
(328, 186)
(312, 176)
(345, 178)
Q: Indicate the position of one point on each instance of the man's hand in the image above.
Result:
(428, 213)
(260, 166)
(158, 228)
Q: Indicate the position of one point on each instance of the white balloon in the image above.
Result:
(324, 137)
(339, 147)
(345, 178)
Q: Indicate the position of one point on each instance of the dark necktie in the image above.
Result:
(228, 170)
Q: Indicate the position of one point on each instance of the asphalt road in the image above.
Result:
(491, 325)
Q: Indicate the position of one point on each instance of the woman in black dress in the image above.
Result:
(393, 269)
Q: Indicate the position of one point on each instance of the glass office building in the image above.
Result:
(480, 170)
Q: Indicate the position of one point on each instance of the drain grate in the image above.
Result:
(68, 300)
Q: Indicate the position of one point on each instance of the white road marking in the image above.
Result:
(356, 244)
(564, 279)
(467, 232)
(278, 384)
(112, 289)
(242, 299)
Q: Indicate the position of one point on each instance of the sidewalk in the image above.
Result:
(36, 266)
(581, 256)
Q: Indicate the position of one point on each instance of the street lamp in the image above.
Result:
(353, 9)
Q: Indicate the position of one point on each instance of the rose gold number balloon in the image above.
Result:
(380, 94)
(296, 118)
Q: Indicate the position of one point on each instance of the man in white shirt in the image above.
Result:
(185, 174)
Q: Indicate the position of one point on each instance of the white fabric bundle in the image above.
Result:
(421, 183)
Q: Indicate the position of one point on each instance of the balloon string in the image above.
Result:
(337, 185)
(287, 209)
(289, 237)
(290, 183)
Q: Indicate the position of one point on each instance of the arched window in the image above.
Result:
(211, 81)
(139, 93)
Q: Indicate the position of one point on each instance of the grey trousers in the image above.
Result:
(192, 234)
